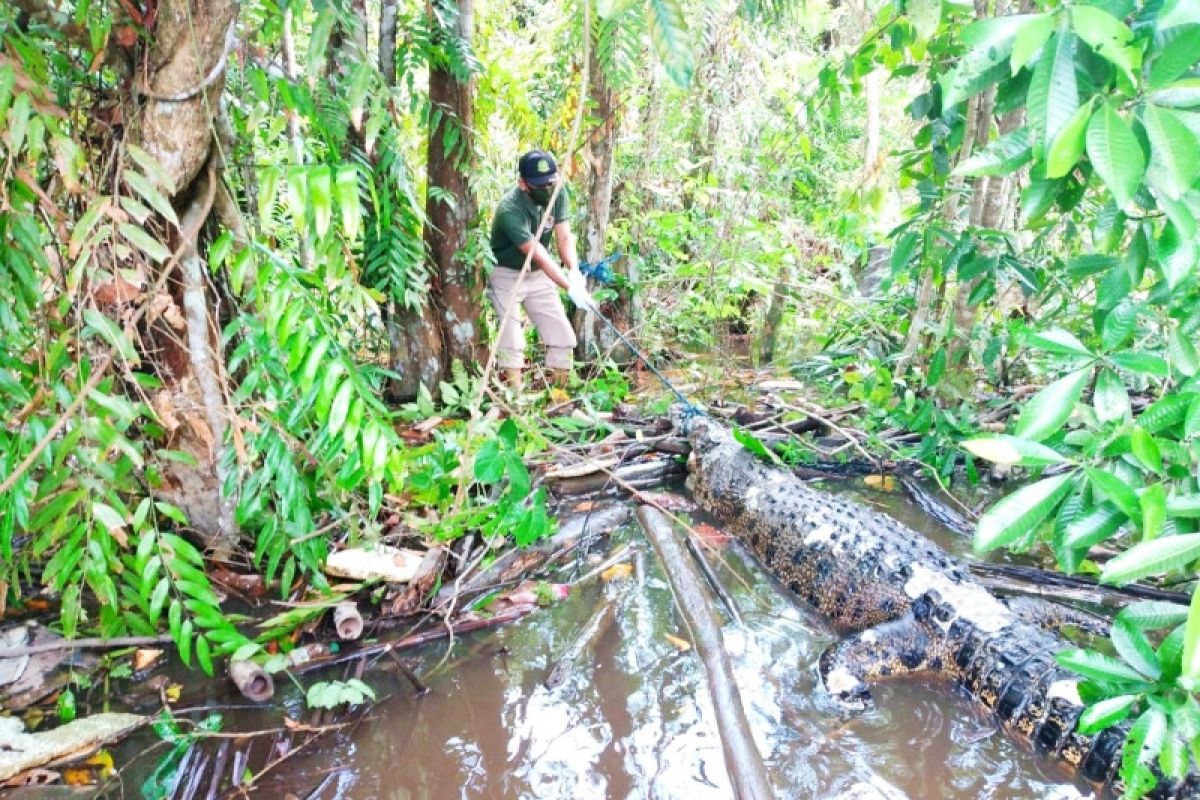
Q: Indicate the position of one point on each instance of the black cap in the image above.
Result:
(537, 168)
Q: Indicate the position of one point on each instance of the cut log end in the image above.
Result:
(347, 621)
(252, 681)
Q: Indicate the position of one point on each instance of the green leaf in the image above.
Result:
(1145, 450)
(1057, 340)
(1053, 96)
(1166, 412)
(1106, 713)
(320, 197)
(1177, 56)
(340, 406)
(754, 445)
(1030, 38)
(1132, 645)
(112, 334)
(136, 236)
(1110, 398)
(1108, 36)
(667, 24)
(1181, 94)
(1142, 363)
(1067, 147)
(1153, 502)
(1098, 666)
(1116, 491)
(925, 16)
(1173, 163)
(346, 187)
(1049, 409)
(990, 41)
(1182, 353)
(489, 462)
(204, 655)
(151, 194)
(1116, 153)
(1020, 512)
(1151, 615)
(1184, 505)
(1000, 156)
(1191, 639)
(297, 195)
(1176, 255)
(1152, 558)
(108, 516)
(1003, 449)
(1093, 527)
(1191, 424)
(1118, 324)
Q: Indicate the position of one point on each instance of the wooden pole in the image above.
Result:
(743, 762)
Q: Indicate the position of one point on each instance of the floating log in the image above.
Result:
(1042, 583)
(747, 773)
(254, 682)
(600, 621)
(347, 621)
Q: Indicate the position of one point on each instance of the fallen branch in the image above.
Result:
(599, 623)
(82, 644)
(714, 582)
(1055, 585)
(747, 773)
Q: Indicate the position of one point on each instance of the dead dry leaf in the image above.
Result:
(145, 658)
(617, 572)
(682, 645)
(884, 483)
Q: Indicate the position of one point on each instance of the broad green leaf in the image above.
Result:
(268, 188)
(1152, 558)
(1000, 156)
(1098, 666)
(1057, 340)
(1153, 614)
(489, 462)
(1191, 639)
(1020, 512)
(1165, 413)
(989, 41)
(1177, 255)
(108, 516)
(1047, 410)
(1153, 502)
(1132, 645)
(1145, 450)
(1093, 527)
(340, 406)
(1110, 398)
(1106, 713)
(925, 15)
(1002, 449)
(1177, 57)
(1182, 353)
(297, 195)
(1116, 154)
(1108, 36)
(1173, 163)
(1191, 422)
(111, 333)
(320, 197)
(152, 167)
(1181, 94)
(1053, 96)
(1142, 363)
(346, 187)
(1118, 324)
(1030, 38)
(143, 241)
(667, 24)
(1067, 147)
(150, 193)
(1116, 491)
(1184, 505)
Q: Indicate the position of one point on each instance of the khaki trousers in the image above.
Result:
(539, 296)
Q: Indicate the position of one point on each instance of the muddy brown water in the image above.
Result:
(633, 719)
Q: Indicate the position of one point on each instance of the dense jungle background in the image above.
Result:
(244, 253)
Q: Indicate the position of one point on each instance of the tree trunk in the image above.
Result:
(770, 330)
(594, 337)
(450, 203)
(184, 77)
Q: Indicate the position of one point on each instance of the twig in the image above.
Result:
(711, 576)
(81, 644)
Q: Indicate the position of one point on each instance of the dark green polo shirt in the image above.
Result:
(517, 216)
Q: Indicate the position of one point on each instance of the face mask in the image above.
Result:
(541, 194)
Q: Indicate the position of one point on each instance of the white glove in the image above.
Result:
(577, 291)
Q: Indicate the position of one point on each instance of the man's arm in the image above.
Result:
(566, 245)
(542, 260)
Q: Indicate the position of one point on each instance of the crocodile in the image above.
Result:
(907, 608)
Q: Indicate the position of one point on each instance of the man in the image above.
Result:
(516, 237)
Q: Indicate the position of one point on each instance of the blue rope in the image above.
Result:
(690, 410)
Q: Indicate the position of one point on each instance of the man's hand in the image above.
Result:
(577, 291)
